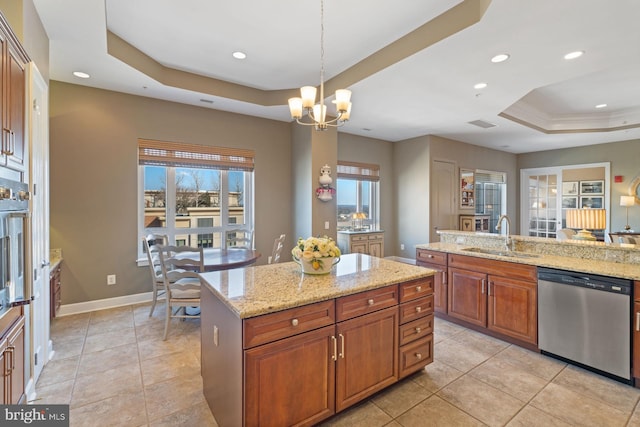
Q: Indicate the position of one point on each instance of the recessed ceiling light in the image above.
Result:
(574, 55)
(601, 105)
(500, 58)
(480, 85)
(81, 74)
(239, 55)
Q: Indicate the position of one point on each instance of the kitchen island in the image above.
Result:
(283, 348)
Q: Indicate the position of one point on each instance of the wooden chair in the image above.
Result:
(239, 238)
(180, 267)
(278, 244)
(151, 244)
(627, 239)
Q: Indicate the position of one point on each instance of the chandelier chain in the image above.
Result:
(322, 52)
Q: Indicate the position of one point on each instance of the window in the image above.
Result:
(357, 190)
(194, 193)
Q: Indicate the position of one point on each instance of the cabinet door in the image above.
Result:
(466, 296)
(375, 248)
(512, 308)
(439, 286)
(15, 363)
(359, 247)
(16, 94)
(291, 381)
(367, 356)
(636, 338)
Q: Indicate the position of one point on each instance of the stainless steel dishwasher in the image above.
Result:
(586, 319)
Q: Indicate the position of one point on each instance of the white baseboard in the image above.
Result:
(401, 259)
(102, 304)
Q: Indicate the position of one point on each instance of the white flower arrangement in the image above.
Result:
(314, 249)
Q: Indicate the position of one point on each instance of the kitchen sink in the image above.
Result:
(501, 252)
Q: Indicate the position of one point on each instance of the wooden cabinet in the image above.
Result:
(370, 243)
(12, 356)
(436, 261)
(416, 325)
(474, 223)
(636, 333)
(497, 295)
(13, 75)
(55, 290)
(301, 365)
(291, 381)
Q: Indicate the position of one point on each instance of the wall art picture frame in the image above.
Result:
(593, 202)
(592, 187)
(570, 202)
(570, 188)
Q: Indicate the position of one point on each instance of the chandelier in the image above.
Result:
(317, 113)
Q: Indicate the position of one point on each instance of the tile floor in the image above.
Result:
(113, 368)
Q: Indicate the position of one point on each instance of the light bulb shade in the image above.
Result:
(343, 96)
(346, 114)
(295, 107)
(588, 219)
(319, 112)
(627, 201)
(308, 94)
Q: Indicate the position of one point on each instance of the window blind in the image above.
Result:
(178, 154)
(359, 171)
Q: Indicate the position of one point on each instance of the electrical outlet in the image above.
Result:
(402, 246)
(326, 225)
(111, 279)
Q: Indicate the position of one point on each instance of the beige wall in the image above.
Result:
(93, 163)
(623, 156)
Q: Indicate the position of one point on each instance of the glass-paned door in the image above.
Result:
(540, 217)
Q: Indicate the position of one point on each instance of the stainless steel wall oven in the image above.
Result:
(14, 242)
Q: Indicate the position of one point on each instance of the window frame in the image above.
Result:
(170, 206)
(363, 173)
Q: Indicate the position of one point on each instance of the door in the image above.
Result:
(367, 356)
(39, 178)
(443, 198)
(513, 308)
(291, 381)
(542, 208)
(466, 296)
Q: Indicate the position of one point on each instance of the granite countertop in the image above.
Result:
(55, 258)
(253, 291)
(571, 263)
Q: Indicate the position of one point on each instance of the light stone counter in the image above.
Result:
(612, 260)
(253, 291)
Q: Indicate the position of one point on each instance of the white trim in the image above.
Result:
(102, 304)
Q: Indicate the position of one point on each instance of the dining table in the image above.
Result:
(216, 259)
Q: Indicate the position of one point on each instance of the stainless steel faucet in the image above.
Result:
(508, 242)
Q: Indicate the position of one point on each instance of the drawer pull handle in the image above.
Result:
(341, 345)
(418, 330)
(294, 322)
(418, 288)
(638, 321)
(419, 356)
(429, 256)
(370, 302)
(418, 309)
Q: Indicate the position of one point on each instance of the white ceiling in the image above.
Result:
(429, 92)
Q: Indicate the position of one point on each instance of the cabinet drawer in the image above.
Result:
(413, 310)
(415, 330)
(362, 238)
(433, 257)
(275, 326)
(376, 237)
(366, 302)
(416, 289)
(416, 355)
